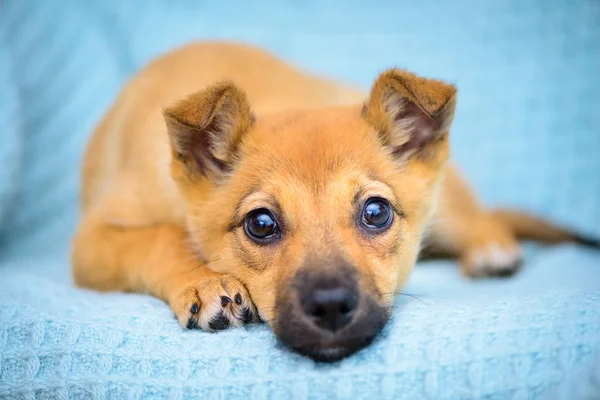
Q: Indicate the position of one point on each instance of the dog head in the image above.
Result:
(319, 213)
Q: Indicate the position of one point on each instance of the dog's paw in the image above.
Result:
(492, 259)
(213, 304)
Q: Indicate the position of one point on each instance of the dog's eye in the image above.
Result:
(260, 225)
(377, 213)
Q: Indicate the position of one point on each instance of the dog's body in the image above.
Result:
(169, 214)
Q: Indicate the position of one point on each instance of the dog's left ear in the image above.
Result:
(410, 113)
(206, 129)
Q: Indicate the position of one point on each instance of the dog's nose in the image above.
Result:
(330, 309)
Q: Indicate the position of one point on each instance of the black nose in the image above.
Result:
(330, 309)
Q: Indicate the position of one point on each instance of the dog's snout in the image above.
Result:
(330, 308)
(328, 314)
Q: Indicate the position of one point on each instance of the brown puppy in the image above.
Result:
(274, 192)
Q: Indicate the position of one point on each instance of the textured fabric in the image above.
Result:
(526, 134)
(582, 383)
(496, 339)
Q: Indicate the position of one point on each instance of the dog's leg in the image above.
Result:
(461, 228)
(157, 260)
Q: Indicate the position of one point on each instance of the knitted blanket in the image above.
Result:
(525, 134)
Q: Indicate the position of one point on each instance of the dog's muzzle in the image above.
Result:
(325, 316)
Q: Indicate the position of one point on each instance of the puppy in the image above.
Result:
(235, 187)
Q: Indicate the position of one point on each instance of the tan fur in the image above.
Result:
(163, 203)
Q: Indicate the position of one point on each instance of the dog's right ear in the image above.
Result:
(206, 128)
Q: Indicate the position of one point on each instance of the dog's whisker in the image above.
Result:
(412, 296)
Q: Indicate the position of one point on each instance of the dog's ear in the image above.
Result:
(410, 113)
(205, 129)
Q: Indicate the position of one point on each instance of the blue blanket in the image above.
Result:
(526, 135)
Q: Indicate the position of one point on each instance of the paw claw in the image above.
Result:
(238, 299)
(194, 309)
(225, 300)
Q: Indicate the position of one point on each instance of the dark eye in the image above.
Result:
(377, 213)
(260, 225)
